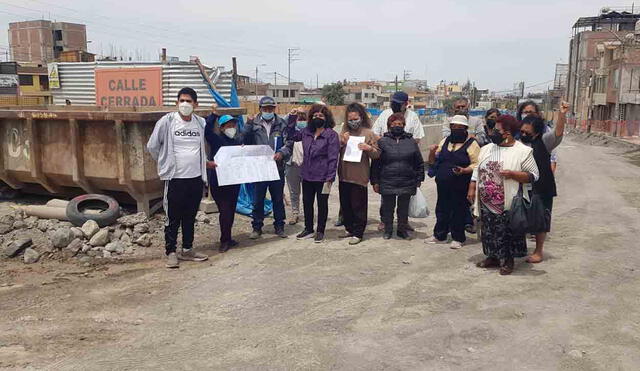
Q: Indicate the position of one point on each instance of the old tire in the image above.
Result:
(110, 210)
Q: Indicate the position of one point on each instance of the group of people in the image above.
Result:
(478, 166)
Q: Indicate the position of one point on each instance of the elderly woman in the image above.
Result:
(321, 149)
(457, 158)
(396, 174)
(354, 176)
(503, 166)
(490, 117)
(296, 122)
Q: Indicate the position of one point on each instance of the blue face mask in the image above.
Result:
(268, 115)
(301, 125)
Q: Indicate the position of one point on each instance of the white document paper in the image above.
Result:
(352, 153)
(245, 164)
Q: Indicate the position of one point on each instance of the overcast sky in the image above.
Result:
(492, 42)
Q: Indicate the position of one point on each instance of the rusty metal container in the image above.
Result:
(67, 152)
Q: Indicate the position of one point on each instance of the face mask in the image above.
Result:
(301, 125)
(354, 124)
(458, 135)
(523, 116)
(230, 132)
(496, 137)
(317, 123)
(185, 108)
(491, 123)
(396, 131)
(526, 138)
(396, 107)
(268, 116)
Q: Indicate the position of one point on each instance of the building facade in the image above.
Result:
(43, 41)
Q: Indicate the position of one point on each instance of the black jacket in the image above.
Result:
(216, 141)
(400, 167)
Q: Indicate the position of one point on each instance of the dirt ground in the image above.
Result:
(396, 305)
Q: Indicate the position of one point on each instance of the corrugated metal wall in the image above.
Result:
(77, 81)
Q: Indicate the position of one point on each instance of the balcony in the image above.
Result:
(630, 98)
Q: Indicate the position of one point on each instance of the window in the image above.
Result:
(57, 35)
(285, 93)
(44, 82)
(358, 96)
(366, 95)
(26, 80)
(616, 73)
(275, 93)
(292, 93)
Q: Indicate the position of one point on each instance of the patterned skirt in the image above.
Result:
(497, 240)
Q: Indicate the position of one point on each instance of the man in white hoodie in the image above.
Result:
(177, 144)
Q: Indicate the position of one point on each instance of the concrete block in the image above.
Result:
(208, 206)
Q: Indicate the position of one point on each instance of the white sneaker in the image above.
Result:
(434, 240)
(455, 245)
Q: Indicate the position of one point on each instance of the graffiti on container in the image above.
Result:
(16, 145)
(44, 115)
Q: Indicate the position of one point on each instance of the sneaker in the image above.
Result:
(190, 255)
(380, 227)
(346, 234)
(404, 235)
(293, 220)
(172, 261)
(255, 234)
(455, 245)
(318, 238)
(355, 240)
(233, 243)
(386, 235)
(304, 235)
(339, 223)
(280, 233)
(434, 240)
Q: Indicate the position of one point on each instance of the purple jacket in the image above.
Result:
(321, 154)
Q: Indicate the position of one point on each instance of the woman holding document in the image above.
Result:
(226, 197)
(321, 148)
(358, 148)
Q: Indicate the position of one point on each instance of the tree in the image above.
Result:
(334, 94)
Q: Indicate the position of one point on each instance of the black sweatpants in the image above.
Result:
(182, 200)
(452, 208)
(353, 203)
(310, 192)
(389, 206)
(226, 197)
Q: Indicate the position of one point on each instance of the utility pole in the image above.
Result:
(396, 82)
(256, 82)
(317, 82)
(291, 58)
(405, 75)
(275, 79)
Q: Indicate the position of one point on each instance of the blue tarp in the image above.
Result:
(245, 197)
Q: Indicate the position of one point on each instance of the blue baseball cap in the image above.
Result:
(267, 101)
(400, 97)
(224, 119)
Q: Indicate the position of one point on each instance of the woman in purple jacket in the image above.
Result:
(321, 147)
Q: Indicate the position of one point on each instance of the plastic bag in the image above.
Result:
(418, 205)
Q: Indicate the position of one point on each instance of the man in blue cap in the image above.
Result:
(267, 128)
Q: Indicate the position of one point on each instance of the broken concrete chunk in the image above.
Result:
(31, 256)
(133, 219)
(16, 247)
(89, 228)
(62, 237)
(100, 239)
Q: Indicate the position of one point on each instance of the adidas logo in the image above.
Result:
(186, 133)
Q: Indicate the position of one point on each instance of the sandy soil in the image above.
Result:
(286, 304)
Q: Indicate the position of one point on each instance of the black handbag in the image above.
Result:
(528, 216)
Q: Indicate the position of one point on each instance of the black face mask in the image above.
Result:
(491, 123)
(396, 107)
(316, 123)
(396, 131)
(526, 138)
(496, 137)
(458, 135)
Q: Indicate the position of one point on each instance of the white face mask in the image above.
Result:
(185, 108)
(230, 132)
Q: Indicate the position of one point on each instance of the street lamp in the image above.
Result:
(256, 89)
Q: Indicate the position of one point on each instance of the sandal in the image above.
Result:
(507, 267)
(488, 263)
